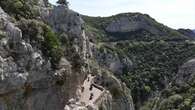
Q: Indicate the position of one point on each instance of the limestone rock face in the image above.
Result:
(9, 68)
(64, 20)
(126, 24)
(26, 77)
(111, 60)
(119, 92)
(29, 82)
(186, 72)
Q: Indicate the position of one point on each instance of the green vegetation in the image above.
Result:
(97, 27)
(156, 59)
(44, 38)
(2, 35)
(178, 97)
(51, 45)
(115, 92)
(155, 65)
(18, 8)
(96, 34)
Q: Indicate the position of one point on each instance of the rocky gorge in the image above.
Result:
(53, 58)
(37, 72)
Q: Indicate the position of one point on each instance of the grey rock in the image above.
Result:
(64, 20)
(111, 60)
(120, 100)
(22, 65)
(186, 72)
(27, 80)
(129, 24)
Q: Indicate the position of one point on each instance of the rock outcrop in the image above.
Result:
(186, 72)
(28, 81)
(27, 78)
(64, 20)
(187, 32)
(116, 63)
(126, 24)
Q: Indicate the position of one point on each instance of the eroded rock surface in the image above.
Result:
(29, 82)
(126, 24)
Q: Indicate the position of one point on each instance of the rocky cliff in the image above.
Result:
(53, 58)
(45, 57)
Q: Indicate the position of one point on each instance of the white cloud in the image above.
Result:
(174, 13)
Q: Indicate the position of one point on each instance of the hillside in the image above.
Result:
(53, 58)
(187, 32)
(130, 26)
(147, 56)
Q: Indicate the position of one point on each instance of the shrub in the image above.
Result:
(188, 102)
(153, 63)
(50, 38)
(51, 46)
(2, 35)
(115, 92)
(147, 89)
(175, 99)
(30, 29)
(17, 8)
(43, 38)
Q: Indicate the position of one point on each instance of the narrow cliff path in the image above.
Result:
(90, 94)
(89, 91)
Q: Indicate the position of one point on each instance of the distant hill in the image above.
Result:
(146, 55)
(187, 32)
(130, 26)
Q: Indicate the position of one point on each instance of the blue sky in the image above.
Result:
(173, 13)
